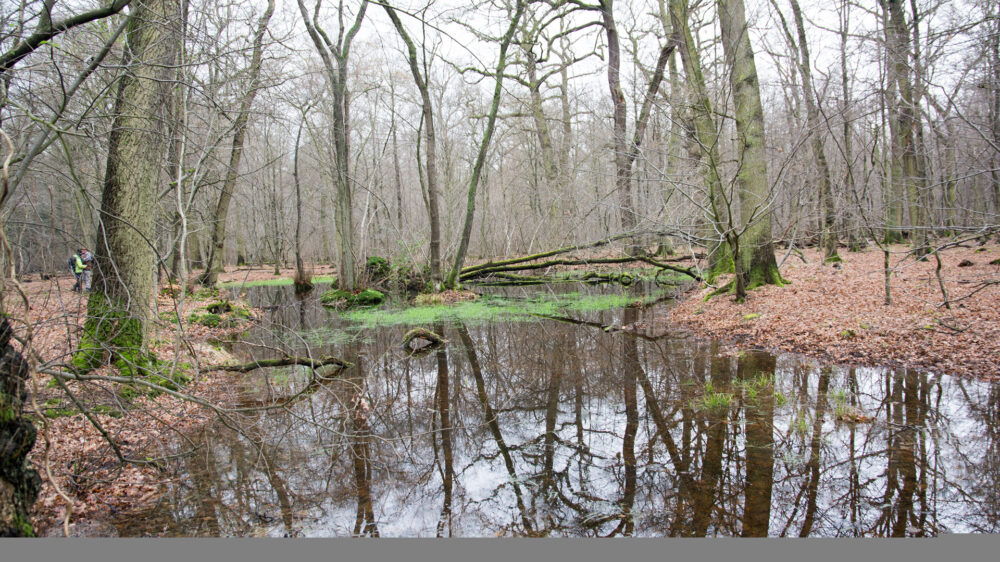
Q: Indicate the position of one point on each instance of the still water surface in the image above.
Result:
(574, 427)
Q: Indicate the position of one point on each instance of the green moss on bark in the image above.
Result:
(111, 334)
(764, 274)
(720, 262)
(19, 483)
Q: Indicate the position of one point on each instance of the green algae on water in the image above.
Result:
(490, 309)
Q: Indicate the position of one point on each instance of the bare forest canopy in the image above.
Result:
(412, 131)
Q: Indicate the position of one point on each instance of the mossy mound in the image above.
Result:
(222, 313)
(341, 298)
(368, 297)
(220, 307)
(377, 268)
(208, 319)
(334, 296)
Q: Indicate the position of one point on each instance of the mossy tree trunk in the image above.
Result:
(909, 177)
(119, 308)
(217, 250)
(993, 88)
(755, 263)
(706, 136)
(484, 146)
(19, 484)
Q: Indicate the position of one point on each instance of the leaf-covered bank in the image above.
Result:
(839, 313)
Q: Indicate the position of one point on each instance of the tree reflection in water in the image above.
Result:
(561, 428)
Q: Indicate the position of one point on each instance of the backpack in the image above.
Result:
(72, 264)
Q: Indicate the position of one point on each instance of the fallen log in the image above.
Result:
(409, 342)
(281, 362)
(564, 250)
(503, 269)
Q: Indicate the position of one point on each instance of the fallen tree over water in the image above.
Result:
(502, 268)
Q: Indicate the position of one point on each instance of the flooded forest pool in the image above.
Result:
(571, 426)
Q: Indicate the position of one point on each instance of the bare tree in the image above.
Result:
(430, 147)
(814, 124)
(217, 255)
(335, 55)
(484, 146)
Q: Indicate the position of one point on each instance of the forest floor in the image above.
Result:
(70, 449)
(839, 314)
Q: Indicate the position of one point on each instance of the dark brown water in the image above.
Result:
(552, 428)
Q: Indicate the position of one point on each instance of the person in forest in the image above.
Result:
(88, 264)
(77, 266)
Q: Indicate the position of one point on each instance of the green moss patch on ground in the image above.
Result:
(342, 298)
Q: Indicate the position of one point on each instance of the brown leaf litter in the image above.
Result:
(838, 313)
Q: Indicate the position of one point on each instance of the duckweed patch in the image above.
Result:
(490, 308)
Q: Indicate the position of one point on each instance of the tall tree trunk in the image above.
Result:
(336, 75)
(855, 242)
(813, 122)
(993, 82)
(302, 283)
(623, 172)
(484, 147)
(706, 136)
(550, 167)
(217, 253)
(121, 304)
(904, 115)
(397, 174)
(755, 264)
(625, 152)
(430, 156)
